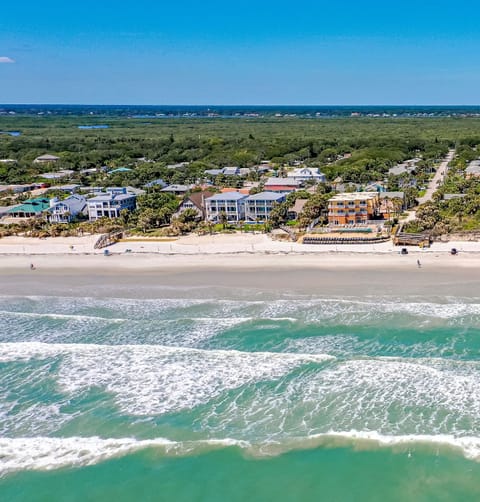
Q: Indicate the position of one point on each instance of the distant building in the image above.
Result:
(64, 173)
(129, 189)
(391, 204)
(226, 171)
(353, 208)
(307, 174)
(45, 159)
(72, 188)
(65, 211)
(176, 189)
(180, 165)
(283, 185)
(245, 191)
(17, 188)
(109, 205)
(156, 183)
(406, 167)
(120, 170)
(259, 206)
(232, 204)
(473, 169)
(450, 196)
(375, 186)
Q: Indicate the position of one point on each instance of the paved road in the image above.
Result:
(438, 179)
(434, 184)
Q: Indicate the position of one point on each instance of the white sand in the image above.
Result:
(232, 264)
(221, 244)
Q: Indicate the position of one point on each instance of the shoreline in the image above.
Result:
(224, 266)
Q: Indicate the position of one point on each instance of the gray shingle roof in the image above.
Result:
(228, 196)
(282, 181)
(272, 196)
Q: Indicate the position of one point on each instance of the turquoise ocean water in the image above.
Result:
(216, 399)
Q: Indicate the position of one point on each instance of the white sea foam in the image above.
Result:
(392, 396)
(67, 317)
(152, 379)
(309, 309)
(49, 453)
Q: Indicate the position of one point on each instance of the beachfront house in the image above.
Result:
(283, 185)
(259, 206)
(109, 205)
(31, 208)
(65, 211)
(230, 204)
(295, 210)
(307, 174)
(353, 208)
(196, 202)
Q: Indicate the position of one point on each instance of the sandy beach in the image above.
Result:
(235, 262)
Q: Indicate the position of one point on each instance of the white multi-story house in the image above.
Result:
(259, 206)
(232, 204)
(307, 174)
(109, 205)
(65, 211)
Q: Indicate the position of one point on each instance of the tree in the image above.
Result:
(222, 218)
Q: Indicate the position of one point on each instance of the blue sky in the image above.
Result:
(244, 52)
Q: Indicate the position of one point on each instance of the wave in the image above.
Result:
(67, 317)
(154, 379)
(259, 394)
(309, 309)
(48, 453)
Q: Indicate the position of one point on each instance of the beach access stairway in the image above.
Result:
(107, 239)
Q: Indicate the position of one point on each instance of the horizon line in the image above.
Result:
(244, 105)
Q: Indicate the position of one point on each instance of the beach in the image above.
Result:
(206, 374)
(229, 261)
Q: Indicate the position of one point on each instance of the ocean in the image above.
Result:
(203, 396)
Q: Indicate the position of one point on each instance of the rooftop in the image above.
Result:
(234, 196)
(282, 181)
(107, 197)
(47, 158)
(272, 196)
(354, 196)
(176, 188)
(32, 206)
(391, 195)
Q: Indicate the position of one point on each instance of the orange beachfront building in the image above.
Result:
(353, 208)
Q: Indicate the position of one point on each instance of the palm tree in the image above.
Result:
(222, 218)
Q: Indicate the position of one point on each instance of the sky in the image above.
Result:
(340, 52)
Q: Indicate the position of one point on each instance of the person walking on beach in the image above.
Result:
(419, 265)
